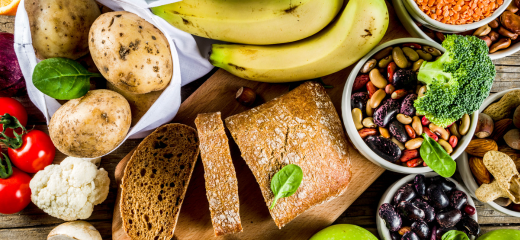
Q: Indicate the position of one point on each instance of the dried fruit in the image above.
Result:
(501, 127)
(480, 171)
(479, 147)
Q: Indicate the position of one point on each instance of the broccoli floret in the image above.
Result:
(458, 82)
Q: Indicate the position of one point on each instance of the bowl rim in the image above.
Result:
(464, 170)
(382, 230)
(429, 22)
(352, 133)
(410, 25)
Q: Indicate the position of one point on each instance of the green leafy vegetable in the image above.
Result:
(5, 171)
(62, 78)
(286, 182)
(458, 82)
(455, 235)
(437, 158)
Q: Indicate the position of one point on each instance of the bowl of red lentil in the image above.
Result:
(454, 16)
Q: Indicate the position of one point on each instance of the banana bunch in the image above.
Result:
(258, 22)
(350, 36)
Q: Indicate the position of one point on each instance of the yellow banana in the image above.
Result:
(358, 29)
(257, 22)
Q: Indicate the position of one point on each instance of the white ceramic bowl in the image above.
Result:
(383, 231)
(353, 133)
(465, 171)
(428, 22)
(416, 31)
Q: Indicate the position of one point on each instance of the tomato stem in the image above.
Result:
(11, 122)
(5, 173)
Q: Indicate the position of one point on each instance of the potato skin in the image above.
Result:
(91, 126)
(139, 103)
(130, 52)
(59, 28)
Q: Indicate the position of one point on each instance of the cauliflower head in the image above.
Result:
(70, 190)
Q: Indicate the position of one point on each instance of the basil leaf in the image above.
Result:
(286, 182)
(455, 235)
(62, 78)
(436, 157)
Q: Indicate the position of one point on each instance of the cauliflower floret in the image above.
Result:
(70, 190)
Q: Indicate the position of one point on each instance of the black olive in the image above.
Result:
(383, 147)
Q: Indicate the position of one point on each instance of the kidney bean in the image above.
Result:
(357, 116)
(371, 88)
(430, 134)
(398, 131)
(424, 55)
(440, 131)
(417, 64)
(377, 79)
(365, 132)
(412, 45)
(424, 164)
(414, 143)
(398, 94)
(454, 129)
(409, 155)
(411, 54)
(369, 65)
(464, 125)
(360, 82)
(370, 111)
(410, 131)
(389, 89)
(376, 99)
(453, 141)
(417, 125)
(414, 162)
(399, 144)
(390, 70)
(383, 53)
(384, 132)
(425, 121)
(369, 122)
(446, 146)
(404, 119)
(385, 61)
(399, 57)
(421, 91)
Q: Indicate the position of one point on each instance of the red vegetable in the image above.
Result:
(14, 189)
(36, 153)
(15, 109)
(12, 82)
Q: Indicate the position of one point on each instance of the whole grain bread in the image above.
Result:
(301, 127)
(219, 173)
(155, 181)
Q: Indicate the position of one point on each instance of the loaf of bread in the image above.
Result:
(155, 181)
(219, 173)
(301, 127)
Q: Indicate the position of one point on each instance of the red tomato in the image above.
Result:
(36, 153)
(15, 109)
(15, 192)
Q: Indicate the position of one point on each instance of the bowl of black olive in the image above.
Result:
(425, 206)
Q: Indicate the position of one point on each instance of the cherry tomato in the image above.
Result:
(36, 153)
(15, 192)
(15, 109)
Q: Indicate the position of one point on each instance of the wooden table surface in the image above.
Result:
(33, 223)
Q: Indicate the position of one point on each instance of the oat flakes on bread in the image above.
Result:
(219, 174)
(301, 127)
(155, 181)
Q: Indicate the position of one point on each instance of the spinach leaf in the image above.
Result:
(436, 157)
(455, 235)
(286, 182)
(62, 78)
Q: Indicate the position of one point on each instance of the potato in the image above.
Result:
(139, 103)
(130, 52)
(59, 28)
(91, 126)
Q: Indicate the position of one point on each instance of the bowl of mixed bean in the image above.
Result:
(455, 16)
(378, 108)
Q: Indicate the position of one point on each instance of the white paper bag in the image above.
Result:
(188, 63)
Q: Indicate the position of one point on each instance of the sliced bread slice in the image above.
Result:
(301, 127)
(155, 182)
(219, 173)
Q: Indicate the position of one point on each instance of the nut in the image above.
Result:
(504, 202)
(500, 129)
(479, 171)
(487, 40)
(479, 147)
(482, 31)
(503, 43)
(503, 108)
(512, 7)
(245, 96)
(506, 33)
(493, 36)
(516, 117)
(494, 24)
(510, 21)
(485, 126)
(512, 139)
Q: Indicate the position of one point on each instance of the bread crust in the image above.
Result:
(219, 173)
(155, 182)
(301, 127)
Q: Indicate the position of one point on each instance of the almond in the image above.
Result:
(501, 128)
(479, 147)
(480, 171)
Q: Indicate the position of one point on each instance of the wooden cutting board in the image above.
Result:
(218, 94)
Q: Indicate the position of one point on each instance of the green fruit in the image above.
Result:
(343, 232)
(501, 234)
